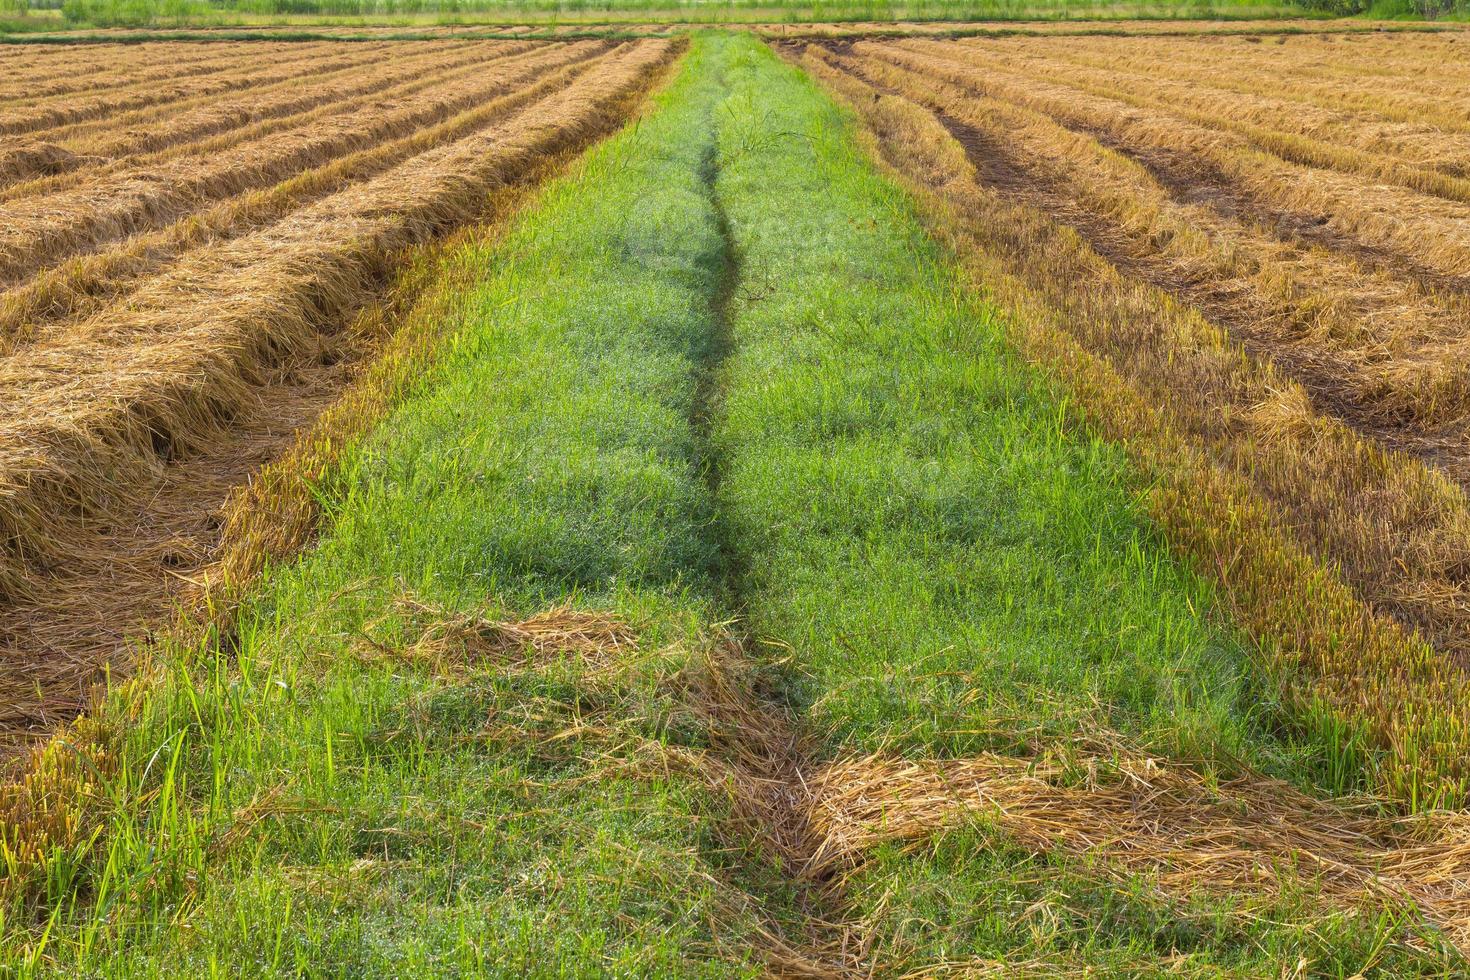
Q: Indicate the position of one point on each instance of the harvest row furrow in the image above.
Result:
(155, 65)
(36, 119)
(1414, 227)
(1294, 129)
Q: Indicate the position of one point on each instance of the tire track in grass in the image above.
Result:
(755, 732)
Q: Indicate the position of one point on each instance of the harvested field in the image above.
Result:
(1278, 272)
(1045, 558)
(184, 272)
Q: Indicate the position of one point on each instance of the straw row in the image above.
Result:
(128, 68)
(1271, 120)
(176, 130)
(1414, 87)
(303, 61)
(47, 229)
(47, 303)
(81, 129)
(1416, 230)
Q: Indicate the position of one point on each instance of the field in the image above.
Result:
(846, 500)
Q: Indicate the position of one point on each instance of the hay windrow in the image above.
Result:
(1405, 223)
(85, 285)
(71, 76)
(296, 62)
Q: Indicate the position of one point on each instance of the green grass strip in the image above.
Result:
(955, 567)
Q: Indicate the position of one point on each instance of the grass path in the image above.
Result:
(722, 408)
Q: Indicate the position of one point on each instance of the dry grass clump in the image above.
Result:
(52, 813)
(1135, 817)
(449, 641)
(25, 159)
(1319, 539)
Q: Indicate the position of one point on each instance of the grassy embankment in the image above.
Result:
(720, 373)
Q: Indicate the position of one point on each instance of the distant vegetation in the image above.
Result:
(144, 13)
(28, 15)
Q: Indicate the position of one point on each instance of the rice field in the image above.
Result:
(811, 500)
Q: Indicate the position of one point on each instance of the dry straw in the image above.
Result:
(98, 143)
(1202, 90)
(1133, 817)
(297, 61)
(81, 287)
(42, 73)
(1413, 227)
(93, 138)
(48, 228)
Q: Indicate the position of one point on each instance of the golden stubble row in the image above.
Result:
(216, 122)
(52, 302)
(33, 119)
(51, 73)
(1267, 116)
